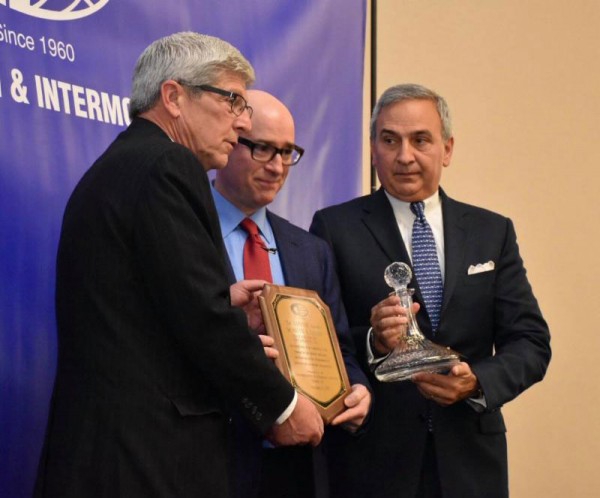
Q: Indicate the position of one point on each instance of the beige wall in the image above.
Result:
(522, 78)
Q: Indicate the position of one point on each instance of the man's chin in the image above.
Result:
(214, 162)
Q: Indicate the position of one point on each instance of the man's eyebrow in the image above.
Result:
(422, 132)
(286, 145)
(387, 131)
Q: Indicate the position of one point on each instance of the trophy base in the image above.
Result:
(415, 355)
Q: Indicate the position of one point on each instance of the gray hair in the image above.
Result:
(185, 57)
(410, 91)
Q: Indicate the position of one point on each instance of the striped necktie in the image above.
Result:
(426, 266)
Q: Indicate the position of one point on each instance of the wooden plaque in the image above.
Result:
(309, 352)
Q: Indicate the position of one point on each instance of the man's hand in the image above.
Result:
(357, 404)
(460, 383)
(269, 346)
(244, 294)
(303, 426)
(389, 320)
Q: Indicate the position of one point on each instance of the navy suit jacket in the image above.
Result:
(307, 263)
(492, 318)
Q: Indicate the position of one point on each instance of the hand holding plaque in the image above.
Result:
(309, 353)
(414, 353)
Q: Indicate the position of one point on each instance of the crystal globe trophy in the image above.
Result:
(414, 353)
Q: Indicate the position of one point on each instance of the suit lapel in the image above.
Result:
(379, 219)
(455, 237)
(290, 251)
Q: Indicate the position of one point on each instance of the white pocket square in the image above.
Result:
(481, 267)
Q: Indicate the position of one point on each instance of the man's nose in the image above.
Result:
(243, 122)
(275, 165)
(406, 153)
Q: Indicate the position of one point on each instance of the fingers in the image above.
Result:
(358, 403)
(252, 286)
(388, 311)
(389, 307)
(243, 292)
(269, 346)
(358, 394)
(266, 340)
(461, 370)
(435, 394)
(459, 384)
(348, 419)
(271, 353)
(388, 322)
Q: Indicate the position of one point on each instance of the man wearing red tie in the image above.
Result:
(262, 245)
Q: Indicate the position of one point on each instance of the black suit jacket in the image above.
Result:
(492, 318)
(151, 354)
(307, 262)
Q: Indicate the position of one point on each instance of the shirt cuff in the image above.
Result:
(372, 361)
(288, 411)
(479, 404)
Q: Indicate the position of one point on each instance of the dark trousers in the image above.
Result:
(429, 485)
(287, 473)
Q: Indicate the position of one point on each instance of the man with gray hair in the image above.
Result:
(437, 435)
(152, 354)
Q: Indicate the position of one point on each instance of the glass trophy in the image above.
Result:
(414, 353)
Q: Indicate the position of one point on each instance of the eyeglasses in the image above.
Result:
(265, 152)
(238, 103)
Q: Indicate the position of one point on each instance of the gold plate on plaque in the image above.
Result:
(309, 352)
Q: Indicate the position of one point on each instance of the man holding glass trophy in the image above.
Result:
(437, 428)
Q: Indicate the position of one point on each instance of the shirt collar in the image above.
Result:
(431, 203)
(230, 216)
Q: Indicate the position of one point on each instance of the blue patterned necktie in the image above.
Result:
(426, 265)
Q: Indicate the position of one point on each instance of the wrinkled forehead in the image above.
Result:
(409, 116)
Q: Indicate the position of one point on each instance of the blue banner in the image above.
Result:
(65, 71)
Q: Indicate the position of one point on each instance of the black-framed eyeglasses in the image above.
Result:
(238, 103)
(265, 152)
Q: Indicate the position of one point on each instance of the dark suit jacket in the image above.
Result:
(492, 318)
(151, 354)
(307, 263)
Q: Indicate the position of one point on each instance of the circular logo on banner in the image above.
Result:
(72, 9)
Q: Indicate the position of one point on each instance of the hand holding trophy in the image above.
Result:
(414, 353)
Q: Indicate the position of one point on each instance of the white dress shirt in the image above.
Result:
(405, 219)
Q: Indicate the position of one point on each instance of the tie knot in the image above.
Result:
(249, 226)
(418, 208)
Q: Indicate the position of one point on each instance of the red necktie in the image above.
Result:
(256, 255)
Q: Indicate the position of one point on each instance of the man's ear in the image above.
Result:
(171, 94)
(448, 149)
(372, 147)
